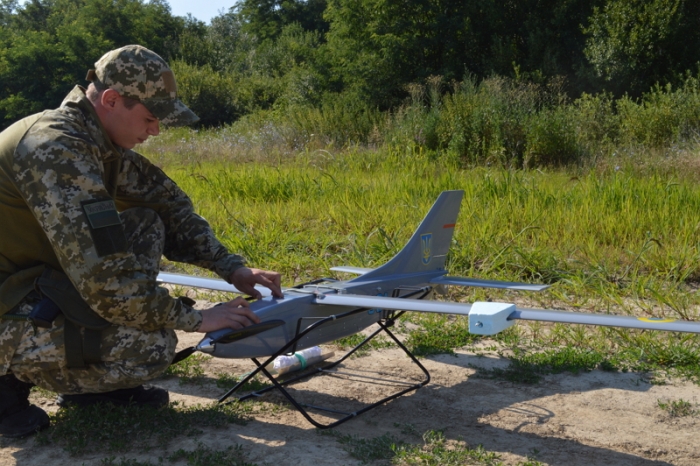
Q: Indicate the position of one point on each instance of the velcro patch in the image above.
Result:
(102, 214)
(106, 227)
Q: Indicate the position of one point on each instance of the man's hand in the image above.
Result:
(245, 279)
(233, 314)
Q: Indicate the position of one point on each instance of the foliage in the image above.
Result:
(677, 408)
(55, 42)
(515, 83)
(664, 116)
(438, 450)
(189, 370)
(439, 334)
(377, 47)
(210, 94)
(267, 18)
(634, 44)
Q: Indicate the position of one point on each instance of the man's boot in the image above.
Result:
(17, 417)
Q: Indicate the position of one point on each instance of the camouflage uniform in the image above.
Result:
(73, 201)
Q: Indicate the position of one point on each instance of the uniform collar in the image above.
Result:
(77, 99)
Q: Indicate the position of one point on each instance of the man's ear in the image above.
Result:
(109, 98)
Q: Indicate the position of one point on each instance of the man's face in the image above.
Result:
(128, 127)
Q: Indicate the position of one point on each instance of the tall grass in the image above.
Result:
(616, 239)
(497, 121)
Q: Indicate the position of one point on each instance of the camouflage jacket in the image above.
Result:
(54, 167)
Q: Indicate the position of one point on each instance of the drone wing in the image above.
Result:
(382, 302)
(491, 318)
(350, 269)
(216, 284)
(461, 281)
(457, 281)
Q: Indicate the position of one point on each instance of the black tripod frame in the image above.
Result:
(384, 325)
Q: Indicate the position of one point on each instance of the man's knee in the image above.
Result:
(129, 357)
(155, 348)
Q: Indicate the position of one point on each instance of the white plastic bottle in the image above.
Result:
(299, 360)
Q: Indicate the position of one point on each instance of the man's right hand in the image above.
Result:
(234, 314)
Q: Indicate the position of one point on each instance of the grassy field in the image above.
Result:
(616, 237)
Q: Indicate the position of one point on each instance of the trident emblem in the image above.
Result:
(425, 242)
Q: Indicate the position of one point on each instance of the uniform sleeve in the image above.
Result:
(61, 177)
(189, 237)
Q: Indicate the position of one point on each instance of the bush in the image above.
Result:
(211, 95)
(551, 138)
(596, 123)
(663, 116)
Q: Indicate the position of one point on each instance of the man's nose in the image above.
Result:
(154, 128)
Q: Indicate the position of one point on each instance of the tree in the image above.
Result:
(266, 19)
(634, 44)
(377, 47)
(55, 42)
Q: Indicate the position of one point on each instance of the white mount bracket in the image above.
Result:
(490, 318)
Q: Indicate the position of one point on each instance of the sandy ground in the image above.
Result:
(595, 418)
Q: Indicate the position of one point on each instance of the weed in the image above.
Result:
(367, 449)
(351, 341)
(112, 461)
(438, 451)
(205, 456)
(677, 408)
(189, 370)
(530, 367)
(439, 334)
(227, 381)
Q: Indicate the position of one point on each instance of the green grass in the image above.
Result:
(436, 450)
(190, 370)
(111, 428)
(367, 450)
(677, 408)
(618, 237)
(618, 234)
(438, 334)
(349, 342)
(227, 381)
(529, 368)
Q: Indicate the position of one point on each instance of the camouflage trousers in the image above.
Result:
(129, 356)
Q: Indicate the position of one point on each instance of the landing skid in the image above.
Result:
(384, 325)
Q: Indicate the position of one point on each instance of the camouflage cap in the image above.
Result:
(141, 74)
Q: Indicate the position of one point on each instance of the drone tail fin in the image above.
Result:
(427, 249)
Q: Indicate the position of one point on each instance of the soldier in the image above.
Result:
(85, 223)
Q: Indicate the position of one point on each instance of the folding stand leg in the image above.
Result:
(384, 327)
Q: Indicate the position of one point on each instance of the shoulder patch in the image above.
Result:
(106, 227)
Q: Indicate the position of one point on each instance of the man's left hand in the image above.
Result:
(245, 279)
